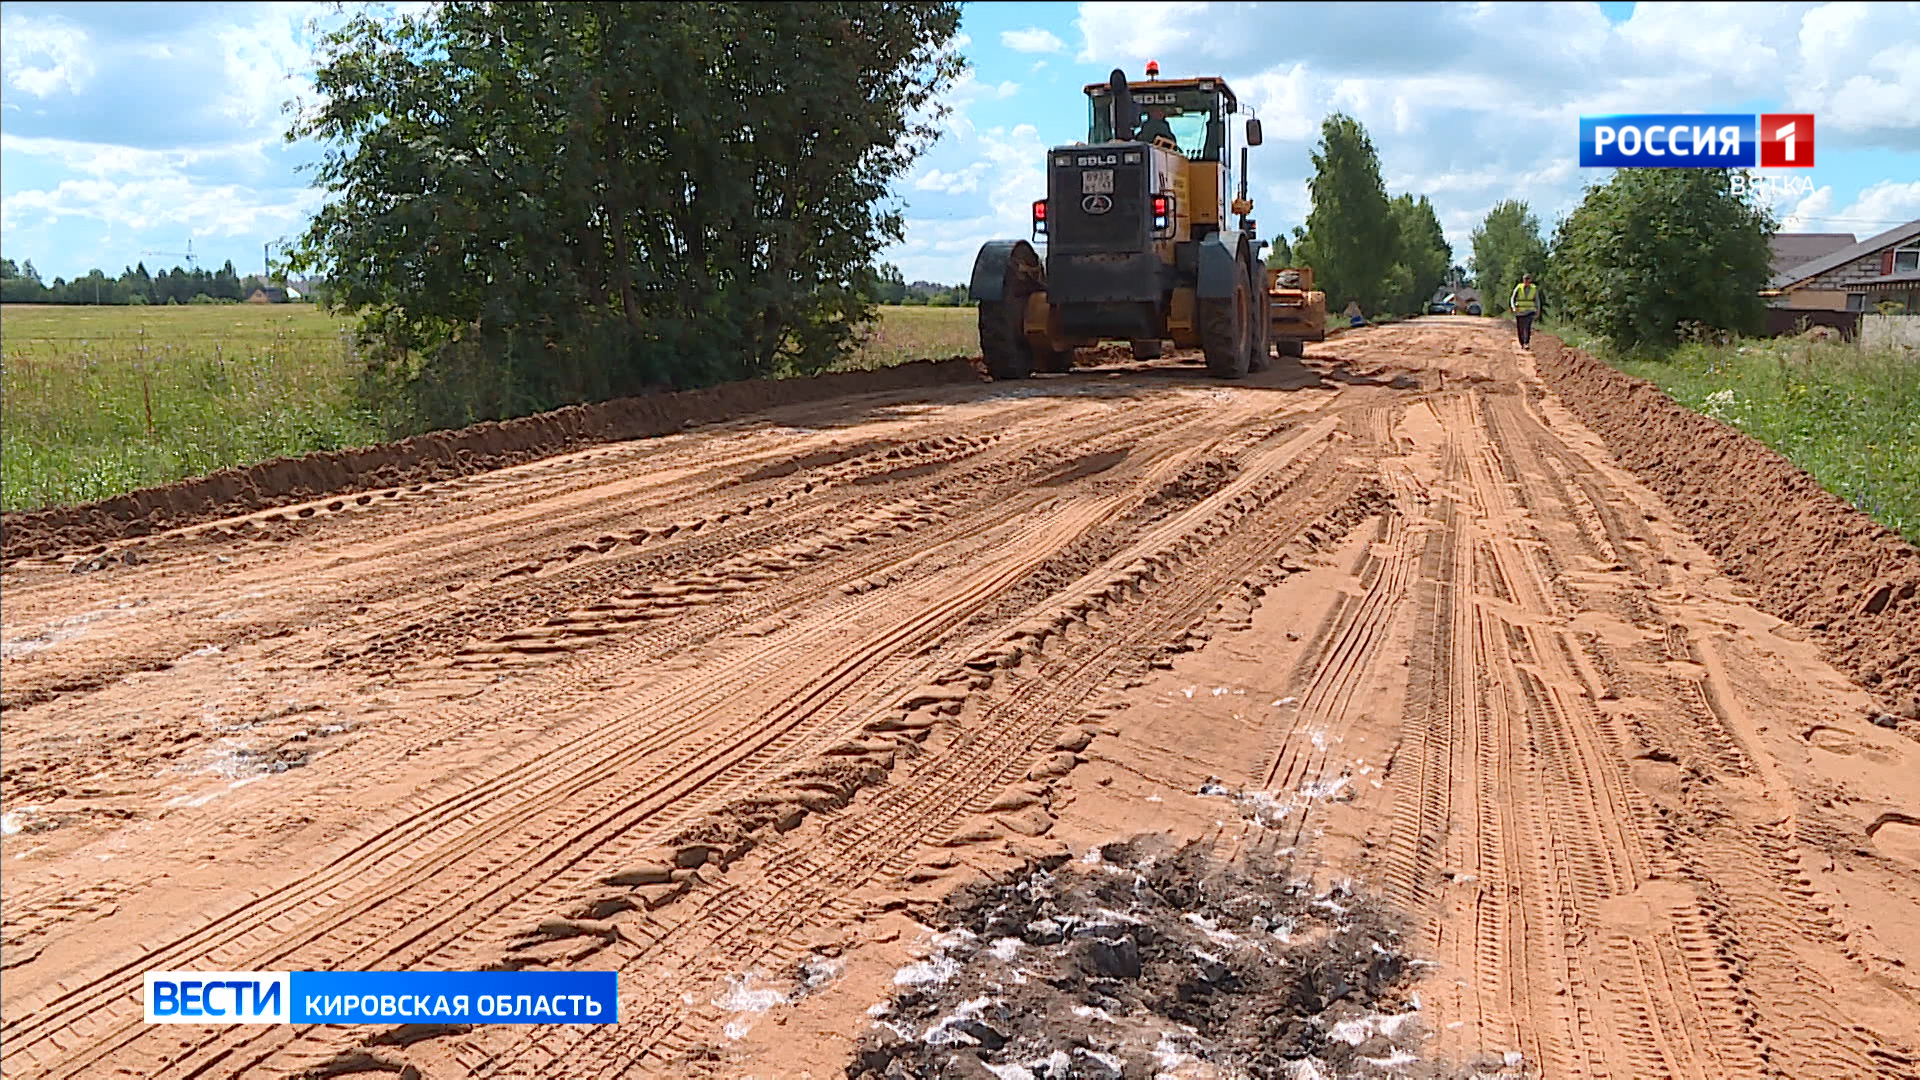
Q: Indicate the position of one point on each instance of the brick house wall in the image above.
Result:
(1858, 272)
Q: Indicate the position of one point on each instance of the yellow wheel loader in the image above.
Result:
(1297, 312)
(1138, 245)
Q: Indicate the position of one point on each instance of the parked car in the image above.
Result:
(1473, 308)
(1440, 307)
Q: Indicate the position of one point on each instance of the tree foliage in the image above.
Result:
(1422, 255)
(886, 285)
(1387, 254)
(1654, 249)
(531, 204)
(1506, 245)
(1351, 236)
(1281, 254)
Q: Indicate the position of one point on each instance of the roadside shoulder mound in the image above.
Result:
(434, 456)
(1811, 557)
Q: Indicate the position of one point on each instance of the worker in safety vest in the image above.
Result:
(1525, 304)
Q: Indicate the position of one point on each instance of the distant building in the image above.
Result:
(267, 294)
(1836, 288)
(1798, 249)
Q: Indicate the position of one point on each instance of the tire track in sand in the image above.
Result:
(252, 915)
(1575, 924)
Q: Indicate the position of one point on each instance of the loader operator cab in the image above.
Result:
(1192, 113)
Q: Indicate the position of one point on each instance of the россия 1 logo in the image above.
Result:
(1697, 141)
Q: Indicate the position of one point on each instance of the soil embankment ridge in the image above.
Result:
(1811, 558)
(437, 455)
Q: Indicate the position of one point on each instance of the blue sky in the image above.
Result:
(129, 128)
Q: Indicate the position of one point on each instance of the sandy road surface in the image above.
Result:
(1401, 604)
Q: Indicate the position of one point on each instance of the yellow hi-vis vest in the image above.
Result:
(1526, 298)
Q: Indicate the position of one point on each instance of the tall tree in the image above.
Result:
(554, 202)
(1506, 245)
(226, 282)
(19, 284)
(1282, 252)
(1652, 249)
(178, 288)
(142, 283)
(1423, 254)
(1351, 226)
(887, 285)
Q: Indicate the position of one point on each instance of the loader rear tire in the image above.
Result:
(1003, 330)
(1002, 343)
(1226, 331)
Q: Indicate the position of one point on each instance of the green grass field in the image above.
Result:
(905, 334)
(1850, 419)
(97, 401)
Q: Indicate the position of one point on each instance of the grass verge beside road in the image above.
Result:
(99, 401)
(1850, 418)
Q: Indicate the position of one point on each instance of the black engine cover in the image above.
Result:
(1098, 199)
(1100, 233)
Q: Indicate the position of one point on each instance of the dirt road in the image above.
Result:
(1394, 620)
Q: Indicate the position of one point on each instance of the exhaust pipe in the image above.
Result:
(1124, 114)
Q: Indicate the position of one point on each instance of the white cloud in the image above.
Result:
(173, 191)
(1005, 172)
(1113, 32)
(1881, 207)
(260, 61)
(1731, 43)
(1282, 100)
(225, 210)
(960, 182)
(43, 56)
(1811, 213)
(959, 97)
(108, 160)
(1859, 72)
(1033, 39)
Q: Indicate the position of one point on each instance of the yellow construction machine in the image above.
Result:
(1296, 311)
(1139, 245)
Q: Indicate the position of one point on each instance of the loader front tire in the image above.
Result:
(1260, 349)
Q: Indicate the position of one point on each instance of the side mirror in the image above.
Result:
(1253, 132)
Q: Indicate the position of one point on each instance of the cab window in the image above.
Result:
(1190, 117)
